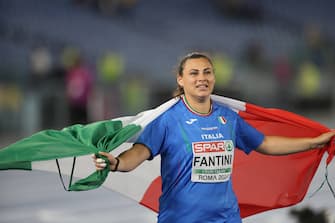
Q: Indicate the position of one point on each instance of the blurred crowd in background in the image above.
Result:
(272, 53)
(78, 61)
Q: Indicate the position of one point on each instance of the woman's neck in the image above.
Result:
(201, 106)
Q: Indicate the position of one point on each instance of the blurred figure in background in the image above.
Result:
(315, 47)
(40, 64)
(282, 71)
(79, 83)
(110, 69)
(253, 55)
(307, 215)
(135, 94)
(225, 71)
(308, 81)
(312, 64)
(40, 84)
(11, 98)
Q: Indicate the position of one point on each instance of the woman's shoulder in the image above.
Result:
(224, 108)
(169, 113)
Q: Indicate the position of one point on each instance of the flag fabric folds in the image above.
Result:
(264, 182)
(76, 140)
(261, 182)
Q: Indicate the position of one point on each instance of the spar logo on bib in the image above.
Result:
(209, 147)
(212, 161)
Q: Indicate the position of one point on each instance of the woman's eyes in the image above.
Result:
(196, 72)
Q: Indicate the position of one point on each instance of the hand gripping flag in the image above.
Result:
(261, 182)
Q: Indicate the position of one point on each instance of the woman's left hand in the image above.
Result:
(323, 139)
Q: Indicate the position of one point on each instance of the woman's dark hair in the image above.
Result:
(180, 69)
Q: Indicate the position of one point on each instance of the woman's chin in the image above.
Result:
(203, 95)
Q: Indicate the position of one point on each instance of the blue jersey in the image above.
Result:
(196, 162)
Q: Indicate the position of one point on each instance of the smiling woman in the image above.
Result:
(196, 77)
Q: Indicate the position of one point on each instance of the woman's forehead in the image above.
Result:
(197, 63)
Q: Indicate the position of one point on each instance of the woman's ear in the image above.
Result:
(180, 81)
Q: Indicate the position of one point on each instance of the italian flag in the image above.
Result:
(261, 182)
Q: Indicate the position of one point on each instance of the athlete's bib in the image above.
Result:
(212, 161)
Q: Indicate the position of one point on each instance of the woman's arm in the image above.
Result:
(126, 161)
(277, 145)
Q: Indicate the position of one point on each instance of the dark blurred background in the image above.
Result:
(79, 61)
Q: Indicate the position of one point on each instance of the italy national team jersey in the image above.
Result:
(197, 153)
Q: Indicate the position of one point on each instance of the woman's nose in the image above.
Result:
(202, 76)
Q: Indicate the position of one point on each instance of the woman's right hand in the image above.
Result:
(100, 164)
(126, 161)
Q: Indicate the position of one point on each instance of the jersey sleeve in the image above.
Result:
(248, 138)
(153, 136)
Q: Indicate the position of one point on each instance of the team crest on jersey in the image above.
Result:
(222, 120)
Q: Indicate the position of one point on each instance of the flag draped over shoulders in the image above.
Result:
(264, 182)
(261, 182)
